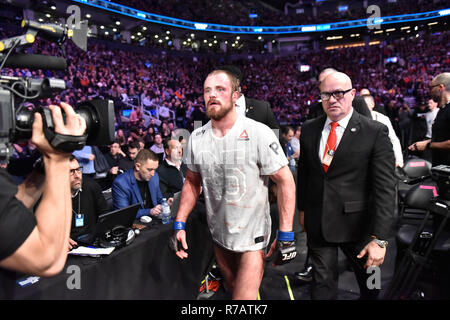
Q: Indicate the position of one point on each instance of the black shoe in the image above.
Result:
(305, 275)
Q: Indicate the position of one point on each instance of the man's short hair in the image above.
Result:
(166, 143)
(369, 98)
(443, 78)
(285, 130)
(134, 145)
(144, 155)
(234, 81)
(72, 157)
(235, 71)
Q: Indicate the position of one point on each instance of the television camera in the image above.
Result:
(16, 118)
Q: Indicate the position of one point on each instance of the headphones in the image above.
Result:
(118, 237)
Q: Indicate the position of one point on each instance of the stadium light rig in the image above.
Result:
(193, 25)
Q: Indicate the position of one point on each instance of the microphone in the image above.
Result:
(35, 61)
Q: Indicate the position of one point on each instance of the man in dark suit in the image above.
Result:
(316, 111)
(345, 189)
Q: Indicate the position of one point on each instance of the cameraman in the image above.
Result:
(37, 244)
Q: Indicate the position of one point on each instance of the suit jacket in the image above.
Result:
(354, 200)
(125, 192)
(260, 111)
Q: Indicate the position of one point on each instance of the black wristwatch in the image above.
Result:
(382, 243)
(428, 145)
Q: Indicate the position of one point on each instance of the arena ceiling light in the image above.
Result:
(185, 24)
(200, 26)
(335, 38)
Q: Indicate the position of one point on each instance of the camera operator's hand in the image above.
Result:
(75, 125)
(44, 251)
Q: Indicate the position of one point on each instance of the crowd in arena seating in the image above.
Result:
(233, 12)
(162, 81)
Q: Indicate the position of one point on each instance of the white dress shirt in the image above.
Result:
(343, 123)
(392, 136)
(240, 105)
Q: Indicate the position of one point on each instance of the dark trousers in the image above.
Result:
(324, 260)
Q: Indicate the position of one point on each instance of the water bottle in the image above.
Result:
(165, 212)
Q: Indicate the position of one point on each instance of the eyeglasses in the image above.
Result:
(77, 170)
(336, 94)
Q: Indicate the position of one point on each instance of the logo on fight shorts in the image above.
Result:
(244, 136)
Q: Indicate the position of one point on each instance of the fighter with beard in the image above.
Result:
(232, 157)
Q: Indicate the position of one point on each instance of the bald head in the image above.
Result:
(440, 88)
(364, 92)
(337, 95)
(325, 73)
(338, 77)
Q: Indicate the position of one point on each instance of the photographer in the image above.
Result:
(38, 244)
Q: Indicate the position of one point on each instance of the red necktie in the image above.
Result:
(331, 143)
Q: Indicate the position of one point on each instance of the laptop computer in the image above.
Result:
(107, 221)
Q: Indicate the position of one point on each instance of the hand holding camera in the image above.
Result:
(75, 126)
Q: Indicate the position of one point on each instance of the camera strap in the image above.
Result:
(67, 143)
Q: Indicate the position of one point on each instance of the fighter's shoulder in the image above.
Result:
(256, 125)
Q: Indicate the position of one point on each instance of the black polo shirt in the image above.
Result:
(16, 221)
(441, 132)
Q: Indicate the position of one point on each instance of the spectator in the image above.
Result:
(139, 185)
(171, 170)
(115, 158)
(291, 155)
(128, 162)
(88, 203)
(430, 116)
(135, 117)
(85, 158)
(158, 147)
